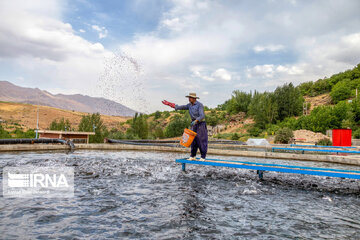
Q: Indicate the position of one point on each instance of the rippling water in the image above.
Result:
(145, 195)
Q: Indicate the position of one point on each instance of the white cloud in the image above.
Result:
(197, 72)
(27, 33)
(270, 48)
(173, 24)
(291, 70)
(47, 51)
(344, 50)
(264, 71)
(102, 31)
(202, 37)
(219, 74)
(205, 93)
(82, 30)
(222, 74)
(242, 85)
(279, 73)
(202, 46)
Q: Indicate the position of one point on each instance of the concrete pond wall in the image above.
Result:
(241, 151)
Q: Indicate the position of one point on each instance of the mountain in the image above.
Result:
(12, 93)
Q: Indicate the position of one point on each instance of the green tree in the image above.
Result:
(321, 119)
(177, 125)
(341, 91)
(321, 86)
(342, 111)
(62, 125)
(239, 102)
(93, 123)
(263, 108)
(289, 101)
(306, 88)
(139, 126)
(355, 108)
(116, 134)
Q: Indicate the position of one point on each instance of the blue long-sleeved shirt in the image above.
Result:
(196, 111)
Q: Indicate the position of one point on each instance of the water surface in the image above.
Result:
(132, 194)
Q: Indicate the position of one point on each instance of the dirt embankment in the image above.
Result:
(308, 136)
(25, 115)
(322, 99)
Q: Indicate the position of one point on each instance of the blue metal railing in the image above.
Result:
(317, 146)
(315, 150)
(261, 167)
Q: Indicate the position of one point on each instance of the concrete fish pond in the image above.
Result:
(144, 194)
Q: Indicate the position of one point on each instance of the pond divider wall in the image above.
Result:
(350, 160)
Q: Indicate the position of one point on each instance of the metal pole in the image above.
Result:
(37, 122)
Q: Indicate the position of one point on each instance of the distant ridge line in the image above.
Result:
(77, 102)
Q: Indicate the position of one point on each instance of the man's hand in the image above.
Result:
(168, 103)
(194, 122)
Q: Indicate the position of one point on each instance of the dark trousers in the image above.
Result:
(201, 139)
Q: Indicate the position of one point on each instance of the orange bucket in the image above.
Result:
(187, 137)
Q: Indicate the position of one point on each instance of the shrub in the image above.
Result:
(157, 115)
(235, 136)
(290, 122)
(255, 131)
(283, 135)
(356, 134)
(176, 127)
(224, 136)
(212, 118)
(4, 133)
(159, 133)
(19, 133)
(271, 129)
(116, 134)
(324, 142)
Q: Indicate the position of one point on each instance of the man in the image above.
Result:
(198, 124)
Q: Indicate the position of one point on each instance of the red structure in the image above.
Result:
(341, 137)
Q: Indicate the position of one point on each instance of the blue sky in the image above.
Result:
(140, 52)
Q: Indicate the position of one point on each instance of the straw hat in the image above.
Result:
(192, 95)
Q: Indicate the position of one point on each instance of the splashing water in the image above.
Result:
(122, 81)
